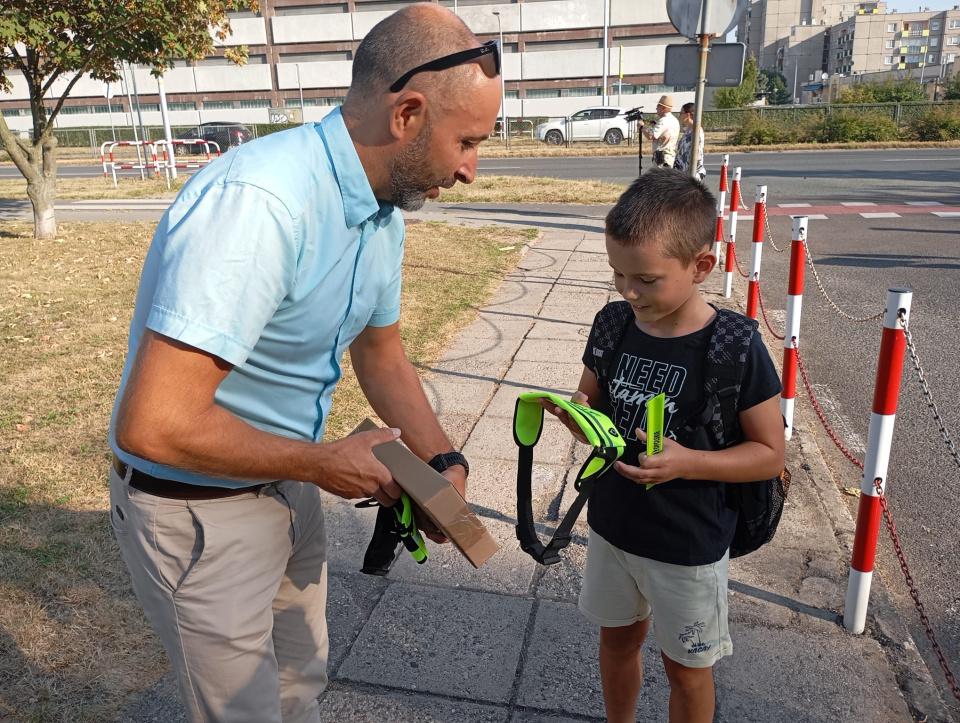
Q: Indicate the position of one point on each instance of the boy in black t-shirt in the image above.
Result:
(666, 549)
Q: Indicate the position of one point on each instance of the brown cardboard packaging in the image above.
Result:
(439, 499)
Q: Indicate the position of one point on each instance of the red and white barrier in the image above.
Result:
(759, 215)
(730, 260)
(788, 397)
(139, 165)
(879, 439)
(721, 199)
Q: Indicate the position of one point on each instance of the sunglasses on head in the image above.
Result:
(487, 54)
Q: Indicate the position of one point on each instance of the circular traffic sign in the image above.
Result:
(722, 15)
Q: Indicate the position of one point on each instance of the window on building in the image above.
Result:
(149, 107)
(934, 42)
(12, 112)
(181, 106)
(511, 93)
(955, 40)
(889, 44)
(934, 24)
(74, 109)
(579, 92)
(218, 105)
(236, 14)
(311, 10)
(316, 57)
(949, 57)
(260, 103)
(538, 47)
(101, 109)
(891, 27)
(913, 59)
(955, 23)
(931, 57)
(543, 93)
(888, 60)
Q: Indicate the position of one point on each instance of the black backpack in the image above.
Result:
(759, 504)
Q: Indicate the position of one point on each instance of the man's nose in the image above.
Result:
(468, 169)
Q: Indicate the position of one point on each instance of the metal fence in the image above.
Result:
(903, 113)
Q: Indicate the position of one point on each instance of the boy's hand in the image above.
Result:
(672, 462)
(578, 397)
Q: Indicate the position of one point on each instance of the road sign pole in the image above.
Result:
(695, 149)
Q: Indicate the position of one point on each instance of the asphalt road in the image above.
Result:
(881, 176)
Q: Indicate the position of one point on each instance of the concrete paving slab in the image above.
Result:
(498, 327)
(480, 349)
(348, 533)
(509, 572)
(493, 483)
(546, 374)
(521, 294)
(458, 393)
(561, 671)
(456, 643)
(351, 597)
(339, 706)
(457, 427)
(489, 368)
(541, 350)
(545, 329)
(561, 582)
(532, 717)
(804, 678)
(803, 524)
(570, 308)
(492, 439)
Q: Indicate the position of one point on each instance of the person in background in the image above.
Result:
(685, 145)
(665, 133)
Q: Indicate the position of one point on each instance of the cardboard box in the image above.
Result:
(439, 499)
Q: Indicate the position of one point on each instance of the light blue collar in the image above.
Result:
(359, 203)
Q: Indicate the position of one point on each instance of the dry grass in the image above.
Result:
(73, 643)
(95, 188)
(532, 189)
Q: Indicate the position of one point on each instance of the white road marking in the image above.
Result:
(857, 203)
(880, 215)
(946, 214)
(814, 217)
(924, 203)
(901, 160)
(793, 205)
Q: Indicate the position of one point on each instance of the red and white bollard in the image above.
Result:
(879, 439)
(753, 289)
(788, 397)
(730, 260)
(721, 199)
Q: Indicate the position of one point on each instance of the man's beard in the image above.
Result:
(411, 175)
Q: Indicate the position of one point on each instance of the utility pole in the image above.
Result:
(503, 88)
(704, 38)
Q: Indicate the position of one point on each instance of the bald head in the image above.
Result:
(410, 37)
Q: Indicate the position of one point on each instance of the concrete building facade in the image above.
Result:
(554, 59)
(810, 41)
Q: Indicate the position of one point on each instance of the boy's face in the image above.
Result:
(657, 287)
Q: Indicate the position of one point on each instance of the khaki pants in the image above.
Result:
(236, 589)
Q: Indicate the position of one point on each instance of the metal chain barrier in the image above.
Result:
(914, 593)
(925, 389)
(816, 407)
(765, 319)
(888, 517)
(845, 315)
(736, 260)
(766, 223)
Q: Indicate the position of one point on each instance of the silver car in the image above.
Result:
(602, 123)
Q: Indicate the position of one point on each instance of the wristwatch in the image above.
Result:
(448, 459)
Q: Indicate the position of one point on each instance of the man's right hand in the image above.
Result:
(350, 470)
(578, 397)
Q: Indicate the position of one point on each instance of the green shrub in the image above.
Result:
(848, 127)
(757, 131)
(939, 124)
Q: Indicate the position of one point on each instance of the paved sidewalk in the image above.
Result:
(444, 642)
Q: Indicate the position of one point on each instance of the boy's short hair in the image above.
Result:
(668, 207)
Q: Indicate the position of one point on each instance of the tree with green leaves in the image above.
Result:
(72, 38)
(775, 86)
(953, 88)
(742, 95)
(902, 90)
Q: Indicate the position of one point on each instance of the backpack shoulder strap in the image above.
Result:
(724, 365)
(609, 326)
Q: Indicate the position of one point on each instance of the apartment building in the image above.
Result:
(555, 55)
(805, 39)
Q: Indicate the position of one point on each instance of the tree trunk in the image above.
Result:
(42, 192)
(38, 164)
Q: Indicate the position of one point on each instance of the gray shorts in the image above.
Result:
(689, 603)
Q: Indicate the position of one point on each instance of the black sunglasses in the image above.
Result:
(488, 55)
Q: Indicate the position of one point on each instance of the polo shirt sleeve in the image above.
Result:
(388, 306)
(228, 259)
(659, 128)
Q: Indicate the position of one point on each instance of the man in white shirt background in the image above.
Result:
(665, 133)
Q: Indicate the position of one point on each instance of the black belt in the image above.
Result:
(174, 490)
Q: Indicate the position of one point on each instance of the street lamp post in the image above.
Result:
(303, 111)
(503, 86)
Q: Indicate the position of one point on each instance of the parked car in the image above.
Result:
(603, 123)
(225, 135)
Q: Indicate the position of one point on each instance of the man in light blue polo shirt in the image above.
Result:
(271, 262)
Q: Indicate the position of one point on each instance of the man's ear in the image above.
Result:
(408, 116)
(703, 264)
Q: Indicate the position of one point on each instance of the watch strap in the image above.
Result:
(448, 459)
